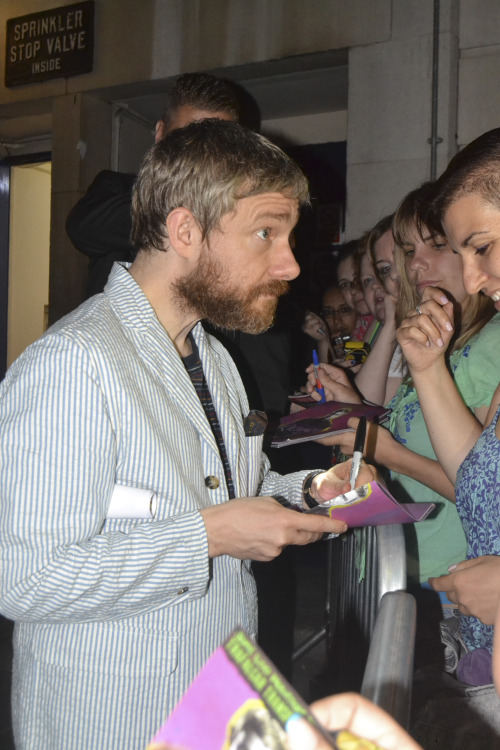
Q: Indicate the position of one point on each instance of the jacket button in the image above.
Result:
(183, 590)
(212, 482)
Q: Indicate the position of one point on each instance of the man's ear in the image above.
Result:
(184, 234)
(159, 131)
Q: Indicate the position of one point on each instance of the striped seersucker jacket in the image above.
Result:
(114, 617)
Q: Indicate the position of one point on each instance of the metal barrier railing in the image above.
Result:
(387, 679)
(352, 592)
(364, 564)
(366, 652)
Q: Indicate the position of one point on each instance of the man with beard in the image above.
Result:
(134, 490)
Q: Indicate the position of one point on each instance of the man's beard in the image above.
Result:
(206, 292)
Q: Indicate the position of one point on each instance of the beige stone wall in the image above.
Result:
(389, 111)
(478, 99)
(221, 33)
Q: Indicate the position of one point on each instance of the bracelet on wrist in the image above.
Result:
(308, 499)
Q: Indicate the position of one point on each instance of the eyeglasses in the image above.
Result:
(342, 312)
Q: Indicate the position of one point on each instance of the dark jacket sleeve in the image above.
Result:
(99, 225)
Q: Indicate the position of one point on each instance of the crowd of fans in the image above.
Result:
(431, 276)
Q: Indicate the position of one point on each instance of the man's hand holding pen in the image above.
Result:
(325, 486)
(258, 528)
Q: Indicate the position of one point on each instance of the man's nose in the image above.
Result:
(285, 266)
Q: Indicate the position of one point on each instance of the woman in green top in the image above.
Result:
(425, 259)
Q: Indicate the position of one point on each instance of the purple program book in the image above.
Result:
(238, 697)
(372, 505)
(322, 420)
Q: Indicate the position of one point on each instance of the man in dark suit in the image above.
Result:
(99, 225)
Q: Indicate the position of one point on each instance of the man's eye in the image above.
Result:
(481, 250)
(263, 234)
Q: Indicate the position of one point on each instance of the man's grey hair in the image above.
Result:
(206, 167)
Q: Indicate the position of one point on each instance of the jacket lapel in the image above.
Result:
(155, 348)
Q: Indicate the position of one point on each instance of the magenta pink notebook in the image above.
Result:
(372, 505)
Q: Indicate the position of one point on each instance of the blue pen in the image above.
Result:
(319, 387)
